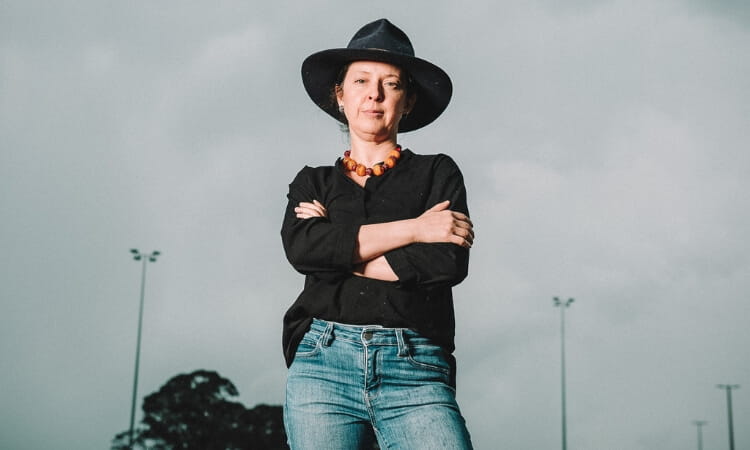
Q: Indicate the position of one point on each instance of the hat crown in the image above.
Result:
(382, 35)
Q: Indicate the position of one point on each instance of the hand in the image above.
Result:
(306, 210)
(439, 224)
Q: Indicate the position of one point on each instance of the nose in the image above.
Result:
(376, 92)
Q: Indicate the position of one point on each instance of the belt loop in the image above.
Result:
(327, 338)
(402, 349)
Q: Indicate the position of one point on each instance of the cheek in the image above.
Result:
(401, 101)
(398, 106)
(350, 99)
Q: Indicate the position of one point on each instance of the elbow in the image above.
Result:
(450, 276)
(298, 255)
(460, 266)
(300, 259)
(461, 273)
(456, 276)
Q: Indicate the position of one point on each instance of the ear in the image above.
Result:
(339, 92)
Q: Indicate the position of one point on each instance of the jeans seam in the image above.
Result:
(366, 388)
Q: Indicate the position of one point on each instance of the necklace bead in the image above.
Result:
(378, 169)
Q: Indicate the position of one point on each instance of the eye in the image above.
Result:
(393, 84)
(359, 81)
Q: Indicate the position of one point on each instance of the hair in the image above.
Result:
(410, 88)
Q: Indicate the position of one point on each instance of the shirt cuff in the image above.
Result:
(399, 262)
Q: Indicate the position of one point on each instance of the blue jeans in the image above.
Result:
(347, 381)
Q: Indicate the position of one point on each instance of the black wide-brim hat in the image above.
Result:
(380, 41)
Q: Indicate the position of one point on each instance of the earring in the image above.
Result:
(341, 109)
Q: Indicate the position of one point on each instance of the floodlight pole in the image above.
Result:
(699, 424)
(728, 388)
(563, 305)
(138, 256)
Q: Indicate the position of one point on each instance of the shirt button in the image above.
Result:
(367, 335)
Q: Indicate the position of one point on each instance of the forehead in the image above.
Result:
(374, 67)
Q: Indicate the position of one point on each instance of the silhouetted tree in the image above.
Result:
(193, 412)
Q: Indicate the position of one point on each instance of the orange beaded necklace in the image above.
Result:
(378, 169)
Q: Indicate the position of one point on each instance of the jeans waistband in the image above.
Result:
(366, 334)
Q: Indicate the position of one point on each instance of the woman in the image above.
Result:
(381, 236)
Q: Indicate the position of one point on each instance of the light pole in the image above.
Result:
(145, 257)
(699, 424)
(563, 305)
(728, 388)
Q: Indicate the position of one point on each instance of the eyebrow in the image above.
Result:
(370, 73)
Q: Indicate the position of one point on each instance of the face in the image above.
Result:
(374, 98)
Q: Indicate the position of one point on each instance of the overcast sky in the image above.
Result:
(605, 150)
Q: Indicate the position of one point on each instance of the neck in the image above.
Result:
(371, 152)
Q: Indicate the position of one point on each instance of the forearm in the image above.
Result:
(377, 268)
(437, 224)
(376, 239)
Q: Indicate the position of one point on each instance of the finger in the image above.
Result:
(303, 208)
(306, 213)
(461, 216)
(440, 206)
(303, 212)
(462, 242)
(469, 240)
(463, 223)
(321, 208)
(463, 229)
(306, 205)
(465, 234)
(312, 208)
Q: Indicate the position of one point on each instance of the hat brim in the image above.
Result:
(433, 85)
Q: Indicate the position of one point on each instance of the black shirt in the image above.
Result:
(323, 250)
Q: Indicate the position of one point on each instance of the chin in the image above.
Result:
(372, 129)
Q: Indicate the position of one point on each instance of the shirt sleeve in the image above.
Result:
(440, 264)
(316, 246)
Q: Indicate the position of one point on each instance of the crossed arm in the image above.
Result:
(436, 225)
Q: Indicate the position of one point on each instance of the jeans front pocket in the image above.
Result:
(430, 357)
(309, 345)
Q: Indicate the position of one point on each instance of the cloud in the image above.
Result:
(603, 148)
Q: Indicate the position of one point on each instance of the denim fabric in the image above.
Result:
(346, 381)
